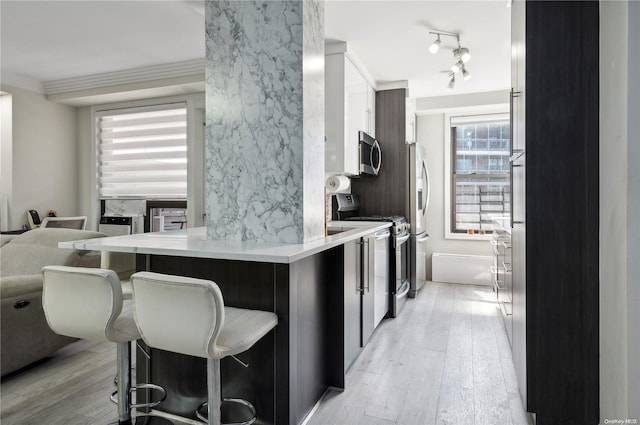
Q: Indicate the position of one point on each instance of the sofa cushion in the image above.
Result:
(13, 286)
(29, 252)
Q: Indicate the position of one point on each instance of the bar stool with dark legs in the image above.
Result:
(88, 303)
(188, 316)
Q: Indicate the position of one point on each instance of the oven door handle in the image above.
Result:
(404, 290)
(402, 239)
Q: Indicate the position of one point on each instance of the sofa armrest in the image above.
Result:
(13, 286)
(6, 238)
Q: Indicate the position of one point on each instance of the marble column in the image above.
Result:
(264, 150)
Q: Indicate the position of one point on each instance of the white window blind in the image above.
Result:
(143, 153)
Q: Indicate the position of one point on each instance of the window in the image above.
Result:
(480, 183)
(142, 152)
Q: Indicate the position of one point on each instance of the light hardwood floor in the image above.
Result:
(445, 360)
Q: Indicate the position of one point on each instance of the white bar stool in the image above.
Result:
(188, 316)
(88, 303)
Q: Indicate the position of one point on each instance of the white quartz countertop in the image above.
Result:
(192, 243)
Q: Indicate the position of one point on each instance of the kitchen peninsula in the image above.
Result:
(303, 284)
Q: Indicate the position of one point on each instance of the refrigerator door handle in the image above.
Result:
(516, 155)
(359, 266)
(422, 239)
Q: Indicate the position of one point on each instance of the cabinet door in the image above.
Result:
(338, 159)
(380, 279)
(352, 293)
(368, 306)
(410, 122)
(371, 111)
(356, 93)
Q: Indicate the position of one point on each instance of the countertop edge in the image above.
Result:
(183, 244)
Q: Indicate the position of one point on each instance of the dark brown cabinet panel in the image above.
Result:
(562, 215)
(386, 193)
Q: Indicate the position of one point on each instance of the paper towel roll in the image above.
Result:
(337, 183)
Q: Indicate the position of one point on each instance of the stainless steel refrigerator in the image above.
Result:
(419, 186)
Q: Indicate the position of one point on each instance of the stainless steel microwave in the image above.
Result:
(370, 155)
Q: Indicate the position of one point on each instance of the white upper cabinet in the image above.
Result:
(371, 110)
(349, 108)
(410, 112)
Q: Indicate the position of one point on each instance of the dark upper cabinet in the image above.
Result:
(386, 193)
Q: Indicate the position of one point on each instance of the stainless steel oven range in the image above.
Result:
(345, 207)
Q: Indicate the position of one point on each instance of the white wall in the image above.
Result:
(87, 191)
(44, 157)
(619, 211)
(430, 134)
(6, 155)
(633, 213)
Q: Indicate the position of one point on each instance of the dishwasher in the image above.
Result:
(375, 281)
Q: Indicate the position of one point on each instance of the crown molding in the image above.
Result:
(129, 76)
(21, 81)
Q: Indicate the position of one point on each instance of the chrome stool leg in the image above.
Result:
(214, 405)
(213, 391)
(122, 396)
(124, 381)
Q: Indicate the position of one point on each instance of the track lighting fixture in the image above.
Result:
(452, 80)
(435, 46)
(460, 54)
(465, 74)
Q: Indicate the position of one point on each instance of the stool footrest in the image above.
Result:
(154, 387)
(231, 408)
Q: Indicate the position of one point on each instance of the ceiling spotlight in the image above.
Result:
(435, 46)
(465, 74)
(462, 53)
(456, 66)
(452, 80)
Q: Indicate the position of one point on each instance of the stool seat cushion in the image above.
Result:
(188, 316)
(242, 328)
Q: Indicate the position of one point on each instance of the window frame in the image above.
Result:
(195, 148)
(488, 113)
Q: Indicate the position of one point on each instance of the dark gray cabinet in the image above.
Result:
(555, 209)
(386, 193)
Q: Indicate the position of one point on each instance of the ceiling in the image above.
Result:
(43, 41)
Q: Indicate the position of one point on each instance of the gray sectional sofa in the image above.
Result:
(25, 335)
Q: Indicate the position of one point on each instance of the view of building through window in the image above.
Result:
(481, 186)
